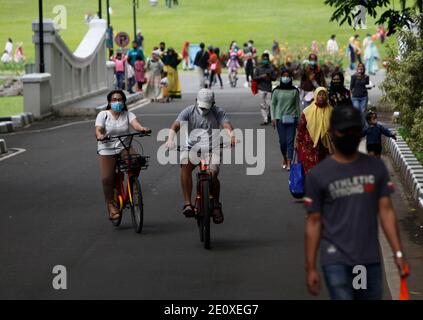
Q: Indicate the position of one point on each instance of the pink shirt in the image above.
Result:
(120, 64)
(139, 71)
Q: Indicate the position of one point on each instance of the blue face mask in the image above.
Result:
(265, 62)
(312, 63)
(117, 106)
(285, 80)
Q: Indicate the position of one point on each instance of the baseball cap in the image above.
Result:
(345, 117)
(205, 98)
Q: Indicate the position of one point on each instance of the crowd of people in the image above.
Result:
(156, 75)
(8, 55)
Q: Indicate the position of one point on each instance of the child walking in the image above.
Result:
(373, 134)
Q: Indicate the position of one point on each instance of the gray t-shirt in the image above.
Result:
(347, 196)
(203, 131)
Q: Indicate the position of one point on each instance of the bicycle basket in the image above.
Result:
(133, 163)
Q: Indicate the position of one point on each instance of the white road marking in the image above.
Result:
(136, 106)
(19, 151)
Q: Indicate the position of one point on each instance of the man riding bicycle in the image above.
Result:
(203, 120)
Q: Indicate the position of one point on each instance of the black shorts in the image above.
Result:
(375, 148)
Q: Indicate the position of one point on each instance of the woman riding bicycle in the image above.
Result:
(115, 120)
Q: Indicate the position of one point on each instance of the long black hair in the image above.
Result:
(109, 99)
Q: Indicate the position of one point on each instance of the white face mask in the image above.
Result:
(204, 112)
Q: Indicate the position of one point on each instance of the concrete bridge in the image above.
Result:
(69, 77)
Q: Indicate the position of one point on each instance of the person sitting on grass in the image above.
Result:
(373, 134)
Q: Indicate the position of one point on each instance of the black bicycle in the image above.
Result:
(128, 167)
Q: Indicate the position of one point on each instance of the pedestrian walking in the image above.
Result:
(249, 56)
(373, 134)
(19, 56)
(201, 63)
(135, 52)
(339, 96)
(313, 140)
(215, 67)
(140, 39)
(351, 54)
(186, 63)
(332, 46)
(371, 56)
(171, 61)
(154, 69)
(139, 73)
(312, 77)
(120, 61)
(381, 32)
(346, 195)
(9, 47)
(285, 113)
(130, 76)
(359, 83)
(357, 47)
(264, 74)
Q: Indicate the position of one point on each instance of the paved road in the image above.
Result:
(52, 213)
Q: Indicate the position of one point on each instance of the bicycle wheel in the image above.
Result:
(137, 207)
(205, 212)
(200, 227)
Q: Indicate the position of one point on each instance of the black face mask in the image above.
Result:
(348, 144)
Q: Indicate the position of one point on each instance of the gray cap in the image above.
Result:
(205, 98)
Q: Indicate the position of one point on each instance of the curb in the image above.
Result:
(3, 146)
(411, 170)
(8, 124)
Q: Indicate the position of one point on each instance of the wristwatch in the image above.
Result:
(399, 254)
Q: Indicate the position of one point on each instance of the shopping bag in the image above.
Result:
(254, 87)
(296, 181)
(403, 286)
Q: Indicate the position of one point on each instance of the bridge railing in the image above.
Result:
(68, 76)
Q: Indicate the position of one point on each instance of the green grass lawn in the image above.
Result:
(294, 23)
(10, 106)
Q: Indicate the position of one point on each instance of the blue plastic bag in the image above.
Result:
(296, 179)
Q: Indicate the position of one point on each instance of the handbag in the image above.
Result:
(213, 66)
(296, 181)
(288, 119)
(254, 87)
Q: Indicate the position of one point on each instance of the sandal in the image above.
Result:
(188, 211)
(218, 214)
(114, 214)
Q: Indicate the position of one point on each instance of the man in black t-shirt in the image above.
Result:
(346, 194)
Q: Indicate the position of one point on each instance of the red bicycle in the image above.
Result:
(204, 201)
(128, 192)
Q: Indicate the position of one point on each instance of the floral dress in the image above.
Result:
(308, 155)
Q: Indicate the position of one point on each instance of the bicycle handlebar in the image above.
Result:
(138, 134)
(221, 146)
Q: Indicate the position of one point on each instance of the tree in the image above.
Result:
(383, 10)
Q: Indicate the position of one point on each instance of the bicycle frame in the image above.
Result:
(125, 196)
(202, 174)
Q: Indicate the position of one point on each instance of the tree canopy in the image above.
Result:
(394, 14)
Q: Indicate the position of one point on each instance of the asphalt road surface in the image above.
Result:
(53, 213)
